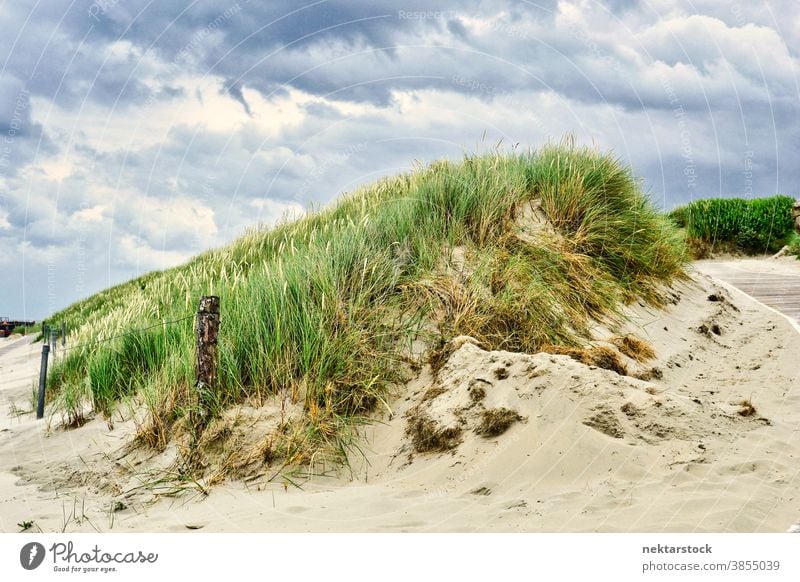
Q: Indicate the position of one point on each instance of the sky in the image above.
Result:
(135, 134)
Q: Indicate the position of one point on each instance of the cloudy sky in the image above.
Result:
(136, 133)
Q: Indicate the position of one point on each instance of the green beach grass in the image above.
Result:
(326, 310)
(752, 226)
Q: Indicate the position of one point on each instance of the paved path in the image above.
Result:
(10, 344)
(774, 284)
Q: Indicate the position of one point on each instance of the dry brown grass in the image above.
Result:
(600, 356)
(746, 408)
(496, 421)
(427, 436)
(155, 430)
(634, 347)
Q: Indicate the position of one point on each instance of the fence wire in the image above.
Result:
(131, 332)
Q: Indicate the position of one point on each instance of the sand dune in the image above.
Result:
(495, 441)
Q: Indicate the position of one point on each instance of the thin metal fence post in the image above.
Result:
(42, 381)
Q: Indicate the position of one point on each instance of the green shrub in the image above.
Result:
(794, 245)
(760, 225)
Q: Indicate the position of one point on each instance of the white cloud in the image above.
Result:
(132, 252)
(93, 214)
(178, 223)
(758, 52)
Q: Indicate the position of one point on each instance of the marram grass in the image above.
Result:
(324, 311)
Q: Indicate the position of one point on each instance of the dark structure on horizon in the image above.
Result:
(7, 326)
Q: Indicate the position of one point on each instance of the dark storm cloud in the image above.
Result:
(324, 46)
(362, 50)
(55, 49)
(20, 138)
(234, 89)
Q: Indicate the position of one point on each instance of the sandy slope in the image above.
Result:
(591, 451)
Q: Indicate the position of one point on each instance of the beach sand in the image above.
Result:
(586, 450)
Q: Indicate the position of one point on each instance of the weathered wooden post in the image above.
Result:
(63, 334)
(53, 341)
(207, 332)
(42, 380)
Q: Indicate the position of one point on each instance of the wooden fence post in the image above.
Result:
(63, 334)
(207, 332)
(42, 380)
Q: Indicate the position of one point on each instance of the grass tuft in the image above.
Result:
(746, 408)
(634, 347)
(427, 436)
(600, 356)
(496, 421)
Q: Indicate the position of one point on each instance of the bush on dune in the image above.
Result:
(757, 226)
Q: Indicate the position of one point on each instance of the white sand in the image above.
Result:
(19, 369)
(595, 451)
